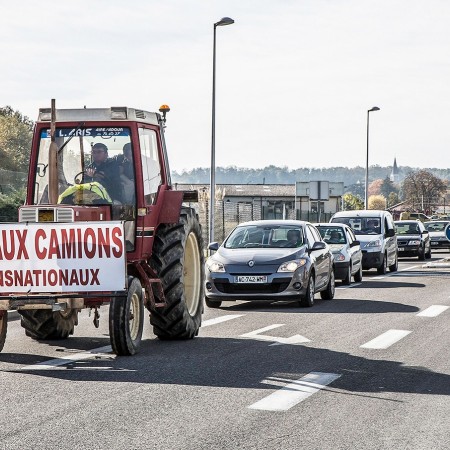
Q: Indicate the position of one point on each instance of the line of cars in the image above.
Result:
(294, 260)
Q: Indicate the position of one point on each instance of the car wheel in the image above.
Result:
(348, 275)
(212, 303)
(428, 253)
(308, 298)
(394, 266)
(358, 275)
(383, 268)
(422, 254)
(328, 293)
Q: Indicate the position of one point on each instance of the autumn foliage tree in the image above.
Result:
(377, 202)
(375, 187)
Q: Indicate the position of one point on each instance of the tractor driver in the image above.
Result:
(104, 170)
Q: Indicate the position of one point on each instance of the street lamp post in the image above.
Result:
(366, 192)
(212, 186)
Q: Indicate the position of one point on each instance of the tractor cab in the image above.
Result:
(100, 164)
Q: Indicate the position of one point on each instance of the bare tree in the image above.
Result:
(422, 189)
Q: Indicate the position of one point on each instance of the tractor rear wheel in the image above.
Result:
(126, 320)
(3, 328)
(47, 324)
(178, 260)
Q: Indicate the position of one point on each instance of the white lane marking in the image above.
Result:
(433, 311)
(349, 286)
(295, 392)
(385, 340)
(380, 277)
(220, 319)
(52, 363)
(292, 340)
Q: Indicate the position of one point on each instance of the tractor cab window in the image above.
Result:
(88, 166)
(150, 164)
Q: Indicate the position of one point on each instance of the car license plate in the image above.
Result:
(401, 249)
(251, 279)
(434, 243)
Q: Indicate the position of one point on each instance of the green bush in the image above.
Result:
(9, 205)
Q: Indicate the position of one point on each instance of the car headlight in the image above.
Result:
(374, 243)
(414, 242)
(291, 266)
(215, 266)
(339, 257)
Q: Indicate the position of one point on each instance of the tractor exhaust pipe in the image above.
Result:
(53, 160)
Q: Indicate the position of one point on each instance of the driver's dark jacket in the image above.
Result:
(107, 174)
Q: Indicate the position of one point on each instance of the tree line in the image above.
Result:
(421, 188)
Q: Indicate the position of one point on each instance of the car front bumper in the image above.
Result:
(371, 260)
(341, 269)
(279, 286)
(408, 250)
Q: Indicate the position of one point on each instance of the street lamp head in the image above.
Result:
(224, 21)
(375, 108)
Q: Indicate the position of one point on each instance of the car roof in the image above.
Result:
(269, 223)
(331, 224)
(361, 213)
(407, 221)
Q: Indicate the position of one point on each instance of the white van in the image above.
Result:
(376, 232)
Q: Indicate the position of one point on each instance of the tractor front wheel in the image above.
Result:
(178, 260)
(126, 320)
(46, 324)
(3, 328)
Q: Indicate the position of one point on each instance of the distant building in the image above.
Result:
(395, 174)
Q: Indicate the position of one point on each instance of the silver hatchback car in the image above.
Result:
(346, 250)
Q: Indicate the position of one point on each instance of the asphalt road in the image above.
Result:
(367, 370)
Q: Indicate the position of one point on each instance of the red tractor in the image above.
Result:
(102, 224)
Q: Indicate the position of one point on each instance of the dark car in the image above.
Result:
(270, 260)
(437, 231)
(346, 250)
(412, 239)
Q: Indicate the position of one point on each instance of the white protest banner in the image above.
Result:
(62, 257)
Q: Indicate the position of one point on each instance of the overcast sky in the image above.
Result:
(295, 78)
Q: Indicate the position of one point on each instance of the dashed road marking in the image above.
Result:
(392, 274)
(292, 340)
(295, 392)
(386, 339)
(433, 311)
(220, 319)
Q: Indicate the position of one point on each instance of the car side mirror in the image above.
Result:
(425, 232)
(214, 246)
(390, 232)
(355, 243)
(318, 245)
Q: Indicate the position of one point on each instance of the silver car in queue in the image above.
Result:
(346, 250)
(270, 260)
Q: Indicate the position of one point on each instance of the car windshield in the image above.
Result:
(332, 234)
(361, 225)
(407, 228)
(267, 236)
(75, 154)
(436, 226)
